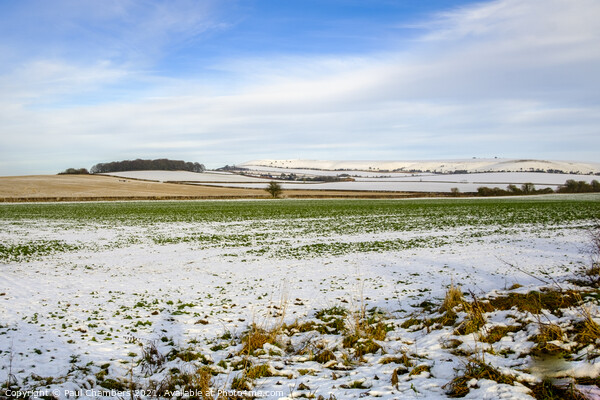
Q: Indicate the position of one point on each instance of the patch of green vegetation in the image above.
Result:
(360, 345)
(325, 356)
(30, 250)
(259, 371)
(333, 320)
(301, 218)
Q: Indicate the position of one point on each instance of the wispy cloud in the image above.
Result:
(505, 78)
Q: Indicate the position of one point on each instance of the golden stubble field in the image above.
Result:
(99, 187)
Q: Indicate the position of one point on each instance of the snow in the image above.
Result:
(383, 185)
(54, 305)
(469, 165)
(363, 180)
(257, 169)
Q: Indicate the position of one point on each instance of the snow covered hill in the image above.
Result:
(439, 166)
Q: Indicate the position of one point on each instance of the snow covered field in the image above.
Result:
(113, 296)
(378, 186)
(364, 181)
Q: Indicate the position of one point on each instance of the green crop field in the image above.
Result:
(151, 294)
(276, 227)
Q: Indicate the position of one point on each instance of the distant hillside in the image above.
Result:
(438, 166)
(161, 164)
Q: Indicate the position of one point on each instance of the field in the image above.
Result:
(361, 181)
(97, 187)
(45, 187)
(299, 298)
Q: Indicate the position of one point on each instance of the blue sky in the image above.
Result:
(223, 82)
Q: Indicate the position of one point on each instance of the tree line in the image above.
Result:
(570, 186)
(161, 164)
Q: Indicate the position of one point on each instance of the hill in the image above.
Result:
(437, 166)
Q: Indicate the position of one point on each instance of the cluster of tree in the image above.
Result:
(161, 164)
(321, 178)
(74, 171)
(570, 186)
(512, 190)
(231, 168)
(573, 186)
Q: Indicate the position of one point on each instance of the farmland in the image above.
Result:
(344, 294)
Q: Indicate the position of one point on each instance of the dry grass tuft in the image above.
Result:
(497, 332)
(546, 390)
(403, 360)
(199, 381)
(475, 318)
(325, 356)
(453, 298)
(475, 369)
(256, 338)
(360, 345)
(534, 301)
(259, 371)
(588, 330)
(419, 369)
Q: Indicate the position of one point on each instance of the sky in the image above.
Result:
(228, 81)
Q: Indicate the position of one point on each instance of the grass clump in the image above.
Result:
(412, 321)
(245, 363)
(257, 337)
(241, 383)
(497, 332)
(325, 356)
(475, 317)
(113, 384)
(549, 333)
(446, 319)
(453, 298)
(534, 301)
(402, 359)
(587, 330)
(419, 369)
(476, 369)
(334, 320)
(360, 345)
(187, 354)
(199, 381)
(259, 371)
(355, 385)
(546, 390)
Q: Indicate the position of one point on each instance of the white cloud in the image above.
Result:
(506, 78)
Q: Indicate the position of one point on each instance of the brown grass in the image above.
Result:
(256, 338)
(498, 332)
(100, 187)
(475, 317)
(475, 368)
(533, 302)
(588, 331)
(453, 298)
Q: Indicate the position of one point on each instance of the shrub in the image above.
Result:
(74, 171)
(274, 189)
